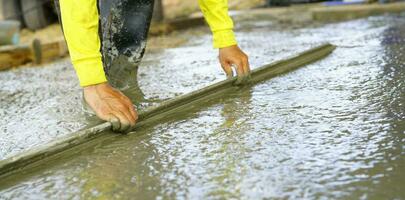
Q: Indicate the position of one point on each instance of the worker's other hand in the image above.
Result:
(233, 56)
(111, 105)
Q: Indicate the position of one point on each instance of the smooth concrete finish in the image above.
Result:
(166, 109)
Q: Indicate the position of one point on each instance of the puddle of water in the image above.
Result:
(334, 129)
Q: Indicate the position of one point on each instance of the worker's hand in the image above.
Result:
(111, 105)
(233, 56)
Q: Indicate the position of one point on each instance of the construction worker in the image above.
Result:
(107, 39)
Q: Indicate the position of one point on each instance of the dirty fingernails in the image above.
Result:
(115, 122)
(124, 127)
(242, 79)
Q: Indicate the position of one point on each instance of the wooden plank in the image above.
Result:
(54, 49)
(13, 56)
(39, 156)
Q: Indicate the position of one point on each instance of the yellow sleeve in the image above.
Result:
(221, 25)
(80, 26)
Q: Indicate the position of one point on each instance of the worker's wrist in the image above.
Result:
(93, 82)
(224, 38)
(90, 71)
(89, 87)
(228, 47)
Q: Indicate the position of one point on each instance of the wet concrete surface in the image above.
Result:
(334, 129)
(41, 103)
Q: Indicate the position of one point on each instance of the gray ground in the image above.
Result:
(333, 129)
(45, 102)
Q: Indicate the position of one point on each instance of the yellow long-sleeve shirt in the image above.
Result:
(80, 20)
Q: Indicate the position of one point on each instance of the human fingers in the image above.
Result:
(123, 120)
(130, 106)
(126, 108)
(134, 113)
(115, 123)
(246, 68)
(240, 71)
(227, 68)
(246, 65)
(103, 111)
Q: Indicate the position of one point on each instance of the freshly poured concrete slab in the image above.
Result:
(74, 140)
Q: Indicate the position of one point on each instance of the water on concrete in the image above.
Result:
(333, 129)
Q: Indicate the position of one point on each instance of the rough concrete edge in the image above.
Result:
(349, 12)
(28, 157)
(166, 27)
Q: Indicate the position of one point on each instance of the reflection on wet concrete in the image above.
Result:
(334, 129)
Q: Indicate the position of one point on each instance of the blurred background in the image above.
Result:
(37, 14)
(23, 21)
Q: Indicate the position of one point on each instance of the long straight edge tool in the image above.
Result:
(20, 161)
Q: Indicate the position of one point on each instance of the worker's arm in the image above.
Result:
(80, 26)
(221, 25)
